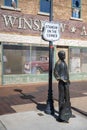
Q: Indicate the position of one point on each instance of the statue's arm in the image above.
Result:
(56, 70)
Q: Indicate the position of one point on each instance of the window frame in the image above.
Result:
(76, 11)
(10, 7)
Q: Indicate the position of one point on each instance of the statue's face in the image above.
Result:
(62, 55)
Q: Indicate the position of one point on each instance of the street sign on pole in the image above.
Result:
(51, 31)
(50, 104)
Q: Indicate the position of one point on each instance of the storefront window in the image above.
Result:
(84, 60)
(25, 59)
(78, 60)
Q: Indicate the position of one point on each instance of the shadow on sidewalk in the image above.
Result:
(77, 110)
(80, 111)
(40, 106)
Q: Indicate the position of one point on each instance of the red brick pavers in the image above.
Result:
(34, 93)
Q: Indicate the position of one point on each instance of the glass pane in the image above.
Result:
(9, 2)
(14, 58)
(76, 3)
(75, 60)
(39, 60)
(84, 60)
(25, 59)
(75, 13)
(45, 6)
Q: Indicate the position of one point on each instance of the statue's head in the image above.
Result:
(61, 55)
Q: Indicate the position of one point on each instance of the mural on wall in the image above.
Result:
(75, 64)
(38, 66)
(25, 59)
(78, 60)
(30, 24)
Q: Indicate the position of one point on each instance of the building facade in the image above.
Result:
(24, 55)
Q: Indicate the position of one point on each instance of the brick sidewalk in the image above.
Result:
(9, 98)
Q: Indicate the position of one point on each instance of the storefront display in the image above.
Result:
(25, 59)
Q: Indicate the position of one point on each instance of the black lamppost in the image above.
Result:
(50, 106)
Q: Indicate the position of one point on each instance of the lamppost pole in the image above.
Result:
(50, 106)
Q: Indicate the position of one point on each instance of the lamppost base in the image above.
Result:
(49, 108)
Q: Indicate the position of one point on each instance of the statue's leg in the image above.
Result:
(67, 100)
(66, 93)
(61, 97)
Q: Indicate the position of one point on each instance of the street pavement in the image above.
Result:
(31, 115)
(38, 120)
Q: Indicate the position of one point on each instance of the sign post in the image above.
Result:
(50, 33)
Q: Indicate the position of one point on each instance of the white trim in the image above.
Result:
(78, 19)
(10, 8)
(74, 43)
(43, 13)
(21, 39)
(38, 40)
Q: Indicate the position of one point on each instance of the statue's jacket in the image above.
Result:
(61, 71)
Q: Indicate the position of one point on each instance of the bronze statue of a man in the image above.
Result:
(61, 74)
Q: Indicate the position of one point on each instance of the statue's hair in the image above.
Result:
(60, 53)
